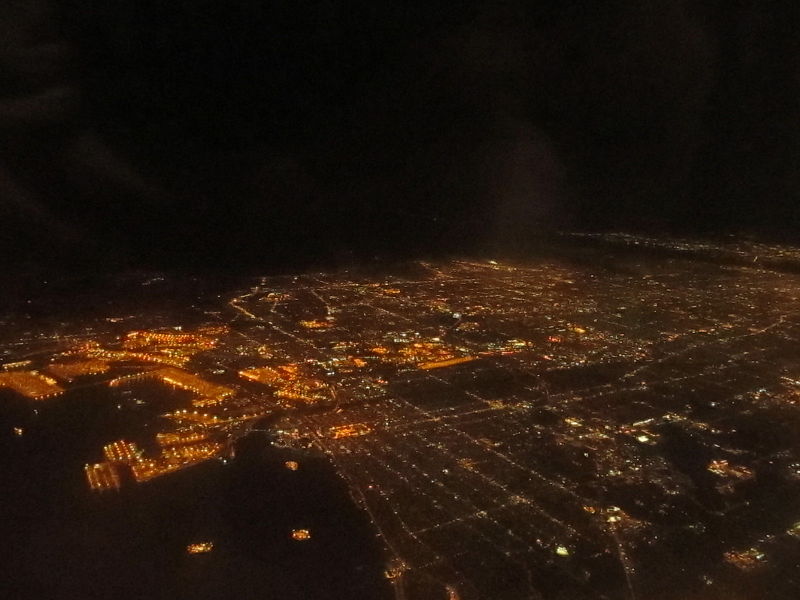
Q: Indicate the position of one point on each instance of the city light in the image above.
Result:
(301, 534)
(31, 384)
(200, 548)
(484, 416)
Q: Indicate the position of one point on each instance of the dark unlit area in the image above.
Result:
(196, 133)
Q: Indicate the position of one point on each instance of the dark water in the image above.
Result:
(59, 540)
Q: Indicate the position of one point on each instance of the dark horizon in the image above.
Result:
(253, 136)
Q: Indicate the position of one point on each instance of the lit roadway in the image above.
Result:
(568, 461)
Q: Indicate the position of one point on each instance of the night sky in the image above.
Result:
(246, 135)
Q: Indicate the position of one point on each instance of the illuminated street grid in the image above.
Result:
(547, 430)
(592, 451)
